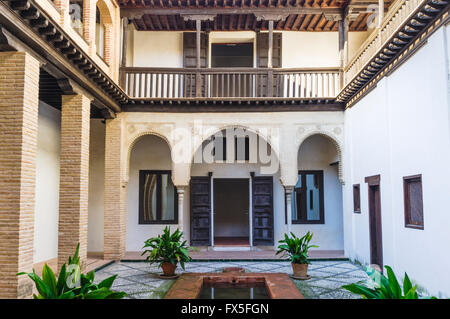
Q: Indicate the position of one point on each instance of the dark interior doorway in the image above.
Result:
(231, 211)
(226, 55)
(232, 55)
(376, 242)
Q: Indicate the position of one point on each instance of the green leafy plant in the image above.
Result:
(71, 283)
(167, 248)
(296, 249)
(384, 287)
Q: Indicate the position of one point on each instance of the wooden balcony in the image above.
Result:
(226, 83)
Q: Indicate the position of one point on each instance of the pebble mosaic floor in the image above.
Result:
(140, 280)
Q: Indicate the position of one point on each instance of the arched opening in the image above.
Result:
(151, 195)
(235, 191)
(103, 31)
(317, 197)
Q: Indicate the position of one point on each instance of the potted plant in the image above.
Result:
(296, 249)
(168, 250)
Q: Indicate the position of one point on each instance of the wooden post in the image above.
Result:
(270, 61)
(198, 84)
(380, 13)
(270, 47)
(343, 47)
(198, 27)
(123, 62)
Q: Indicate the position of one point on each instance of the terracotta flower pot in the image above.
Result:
(168, 268)
(300, 270)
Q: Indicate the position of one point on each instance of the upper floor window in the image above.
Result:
(412, 188)
(76, 15)
(99, 33)
(307, 198)
(356, 199)
(157, 198)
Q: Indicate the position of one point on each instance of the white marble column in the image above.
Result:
(288, 193)
(180, 191)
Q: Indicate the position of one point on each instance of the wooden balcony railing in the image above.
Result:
(173, 83)
(398, 14)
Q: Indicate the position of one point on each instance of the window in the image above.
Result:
(412, 188)
(157, 198)
(76, 15)
(356, 199)
(307, 198)
(99, 33)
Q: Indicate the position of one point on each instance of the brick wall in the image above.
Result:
(115, 192)
(19, 90)
(74, 177)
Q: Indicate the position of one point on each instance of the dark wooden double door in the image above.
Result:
(262, 210)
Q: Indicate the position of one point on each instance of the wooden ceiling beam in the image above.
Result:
(134, 13)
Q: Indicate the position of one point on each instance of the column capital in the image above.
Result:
(271, 16)
(333, 16)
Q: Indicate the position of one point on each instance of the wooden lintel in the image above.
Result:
(66, 86)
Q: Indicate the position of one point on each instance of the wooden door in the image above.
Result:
(375, 230)
(200, 210)
(262, 199)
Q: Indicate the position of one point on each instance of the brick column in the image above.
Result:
(89, 23)
(63, 7)
(108, 43)
(115, 192)
(19, 90)
(74, 177)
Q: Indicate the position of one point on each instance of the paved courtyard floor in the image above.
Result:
(140, 280)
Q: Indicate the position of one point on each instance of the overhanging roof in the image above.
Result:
(239, 15)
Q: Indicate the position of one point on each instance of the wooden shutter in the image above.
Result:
(190, 50)
(262, 45)
(190, 61)
(200, 202)
(262, 198)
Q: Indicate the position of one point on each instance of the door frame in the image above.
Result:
(375, 219)
(250, 214)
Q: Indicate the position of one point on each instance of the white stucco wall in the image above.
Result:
(299, 49)
(158, 49)
(310, 49)
(402, 128)
(47, 184)
(96, 185)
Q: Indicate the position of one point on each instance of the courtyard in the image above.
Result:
(141, 281)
